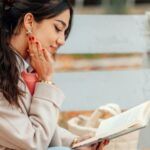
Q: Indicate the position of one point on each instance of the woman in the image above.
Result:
(32, 31)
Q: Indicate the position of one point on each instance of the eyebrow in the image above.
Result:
(63, 23)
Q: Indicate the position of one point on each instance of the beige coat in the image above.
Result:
(33, 126)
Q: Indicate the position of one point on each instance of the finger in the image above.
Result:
(39, 48)
(96, 146)
(31, 47)
(100, 146)
(30, 38)
(39, 45)
(106, 142)
(29, 44)
(34, 47)
(47, 55)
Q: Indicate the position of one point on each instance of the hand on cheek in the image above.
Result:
(40, 59)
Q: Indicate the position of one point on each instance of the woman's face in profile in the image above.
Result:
(51, 32)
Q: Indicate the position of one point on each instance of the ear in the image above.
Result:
(28, 21)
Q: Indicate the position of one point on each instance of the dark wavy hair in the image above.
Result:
(12, 13)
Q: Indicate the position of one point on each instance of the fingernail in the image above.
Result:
(36, 43)
(32, 38)
(42, 49)
(106, 142)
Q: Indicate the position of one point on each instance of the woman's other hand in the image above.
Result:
(96, 146)
(41, 60)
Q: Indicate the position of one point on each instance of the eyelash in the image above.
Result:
(58, 30)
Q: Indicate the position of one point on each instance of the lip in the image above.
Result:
(53, 49)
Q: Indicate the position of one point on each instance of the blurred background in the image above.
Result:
(106, 58)
(105, 61)
(110, 6)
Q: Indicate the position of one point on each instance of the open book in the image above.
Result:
(131, 120)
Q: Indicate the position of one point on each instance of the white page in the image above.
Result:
(111, 129)
(123, 121)
(98, 139)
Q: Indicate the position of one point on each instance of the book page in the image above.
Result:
(124, 120)
(98, 139)
(124, 123)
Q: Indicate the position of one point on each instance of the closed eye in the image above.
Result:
(57, 29)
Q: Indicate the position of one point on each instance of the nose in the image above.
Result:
(61, 40)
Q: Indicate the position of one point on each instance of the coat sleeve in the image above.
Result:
(35, 130)
(62, 137)
(66, 136)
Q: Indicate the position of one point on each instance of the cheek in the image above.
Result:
(41, 36)
(45, 36)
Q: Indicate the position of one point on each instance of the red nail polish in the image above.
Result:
(106, 142)
(36, 43)
(32, 38)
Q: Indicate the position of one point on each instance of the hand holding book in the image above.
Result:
(95, 146)
(128, 121)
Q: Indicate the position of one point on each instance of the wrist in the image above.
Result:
(47, 82)
(48, 78)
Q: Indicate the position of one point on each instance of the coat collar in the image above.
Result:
(25, 65)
